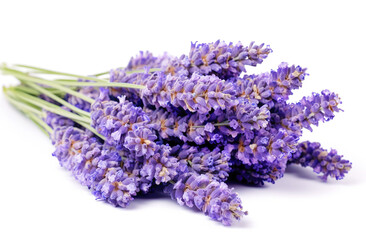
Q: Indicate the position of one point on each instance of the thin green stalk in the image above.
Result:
(59, 84)
(51, 107)
(22, 106)
(34, 92)
(37, 124)
(10, 91)
(27, 78)
(129, 72)
(40, 122)
(31, 112)
(59, 100)
(60, 73)
(27, 90)
(100, 84)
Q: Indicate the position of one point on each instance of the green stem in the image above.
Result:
(130, 72)
(27, 78)
(27, 90)
(37, 93)
(59, 84)
(100, 84)
(60, 73)
(59, 100)
(21, 106)
(50, 107)
(40, 122)
(37, 124)
(31, 112)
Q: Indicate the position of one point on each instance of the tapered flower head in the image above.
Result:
(328, 163)
(213, 198)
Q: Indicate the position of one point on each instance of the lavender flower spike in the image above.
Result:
(213, 163)
(309, 111)
(213, 198)
(94, 167)
(123, 125)
(224, 60)
(195, 94)
(146, 59)
(330, 164)
(54, 120)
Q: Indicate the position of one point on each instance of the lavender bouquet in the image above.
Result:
(180, 125)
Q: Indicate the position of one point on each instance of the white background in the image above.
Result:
(39, 200)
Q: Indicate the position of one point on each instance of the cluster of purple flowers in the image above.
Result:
(199, 121)
(330, 164)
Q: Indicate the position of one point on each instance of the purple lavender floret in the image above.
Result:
(224, 60)
(161, 166)
(140, 140)
(213, 198)
(54, 120)
(309, 111)
(266, 145)
(258, 173)
(116, 188)
(99, 169)
(247, 115)
(68, 142)
(146, 60)
(196, 94)
(121, 123)
(213, 163)
(244, 115)
(330, 164)
(261, 156)
(285, 79)
(270, 88)
(170, 125)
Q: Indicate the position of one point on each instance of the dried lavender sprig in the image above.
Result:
(271, 88)
(146, 60)
(224, 60)
(160, 167)
(169, 125)
(309, 111)
(328, 163)
(122, 123)
(82, 154)
(246, 115)
(261, 156)
(196, 94)
(213, 163)
(200, 128)
(258, 173)
(264, 145)
(213, 198)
